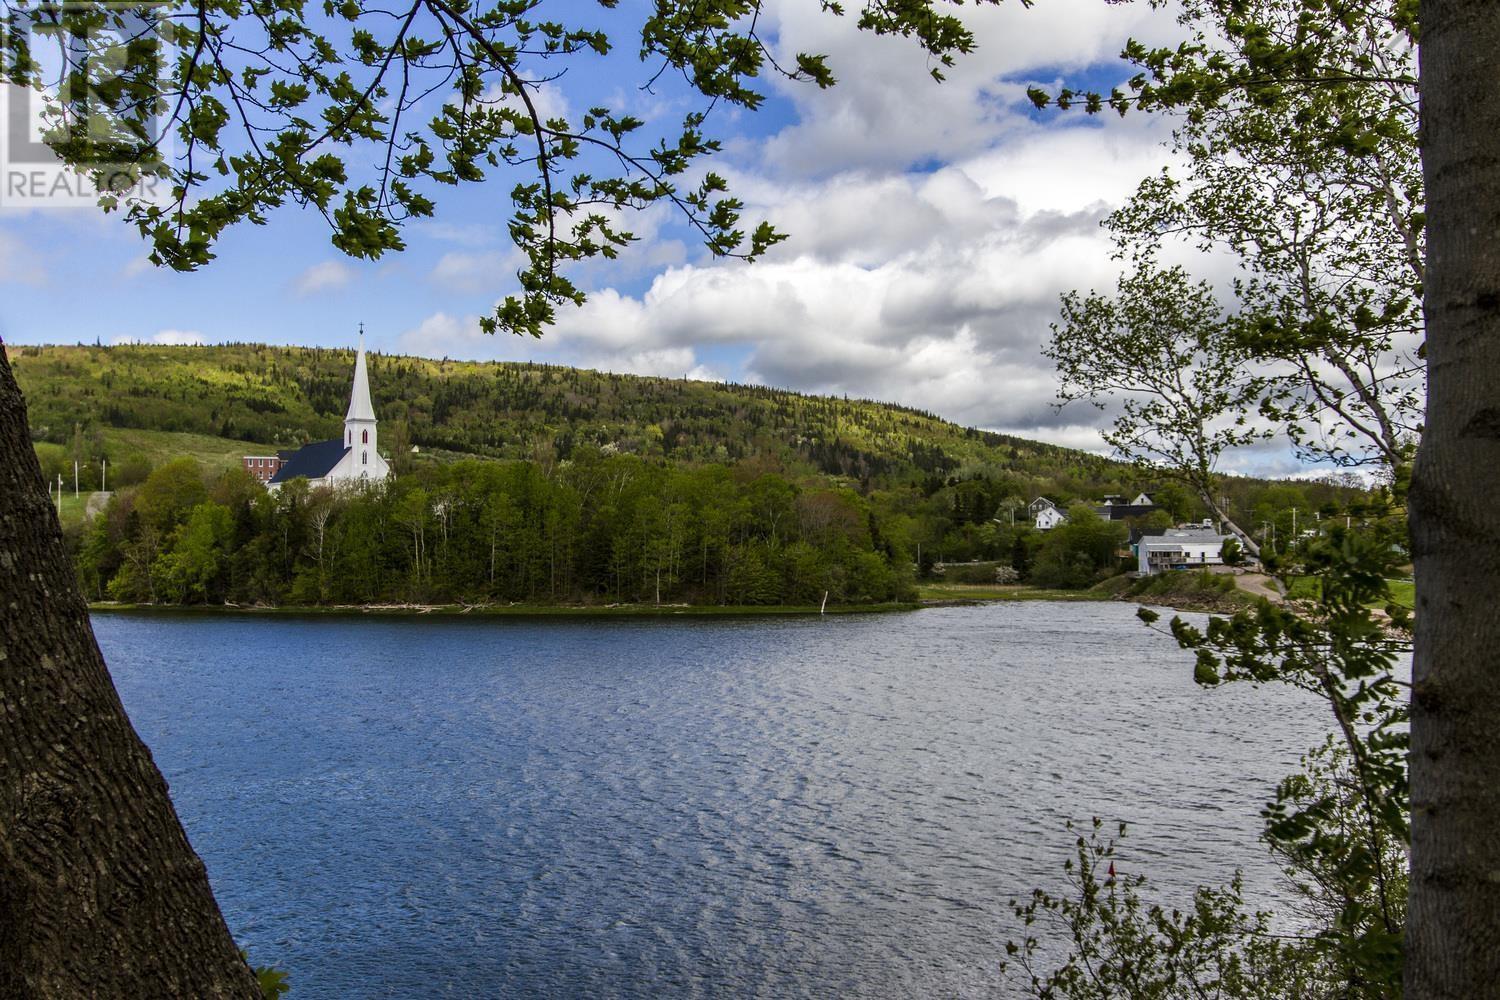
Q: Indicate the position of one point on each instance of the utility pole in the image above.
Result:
(1294, 525)
(59, 494)
(103, 467)
(75, 477)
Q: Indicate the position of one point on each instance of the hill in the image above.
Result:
(286, 396)
(139, 406)
(547, 485)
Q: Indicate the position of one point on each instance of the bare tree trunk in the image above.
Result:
(1453, 925)
(100, 893)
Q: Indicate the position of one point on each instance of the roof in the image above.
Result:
(359, 399)
(1120, 511)
(314, 461)
(1177, 538)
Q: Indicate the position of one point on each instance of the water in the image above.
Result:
(687, 807)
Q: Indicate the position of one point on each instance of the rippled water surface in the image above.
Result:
(686, 807)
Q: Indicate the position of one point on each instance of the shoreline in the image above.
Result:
(981, 596)
(500, 610)
(957, 598)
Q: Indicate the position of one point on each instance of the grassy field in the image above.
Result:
(214, 453)
(1305, 588)
(1000, 592)
(1404, 592)
(71, 511)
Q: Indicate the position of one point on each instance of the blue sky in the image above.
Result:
(933, 228)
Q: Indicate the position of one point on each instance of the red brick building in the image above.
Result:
(263, 467)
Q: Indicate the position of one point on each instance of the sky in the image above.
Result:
(932, 229)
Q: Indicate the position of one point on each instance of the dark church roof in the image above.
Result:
(314, 461)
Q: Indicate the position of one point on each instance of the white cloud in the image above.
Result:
(476, 272)
(174, 338)
(328, 276)
(443, 333)
(547, 98)
(930, 289)
(887, 112)
(933, 228)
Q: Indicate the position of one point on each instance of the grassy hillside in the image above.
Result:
(276, 396)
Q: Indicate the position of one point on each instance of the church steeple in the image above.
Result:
(359, 399)
(359, 422)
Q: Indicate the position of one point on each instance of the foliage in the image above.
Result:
(1077, 552)
(1339, 826)
(273, 982)
(1122, 946)
(945, 492)
(1200, 588)
(1162, 351)
(1231, 552)
(333, 108)
(1297, 131)
(286, 396)
(602, 529)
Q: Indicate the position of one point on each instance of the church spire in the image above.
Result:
(359, 399)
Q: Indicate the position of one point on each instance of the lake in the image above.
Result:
(777, 807)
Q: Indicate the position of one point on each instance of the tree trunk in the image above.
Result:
(1453, 925)
(100, 893)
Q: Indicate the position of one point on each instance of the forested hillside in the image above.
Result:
(541, 484)
(286, 396)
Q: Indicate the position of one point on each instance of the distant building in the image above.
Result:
(1114, 507)
(1035, 507)
(263, 467)
(1045, 514)
(1187, 547)
(350, 459)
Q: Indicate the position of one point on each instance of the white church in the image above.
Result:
(346, 461)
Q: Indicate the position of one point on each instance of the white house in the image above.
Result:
(1035, 507)
(1048, 516)
(1180, 548)
(342, 461)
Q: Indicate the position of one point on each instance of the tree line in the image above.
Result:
(599, 528)
(604, 530)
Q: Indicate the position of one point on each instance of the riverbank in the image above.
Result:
(1212, 593)
(1204, 592)
(949, 594)
(500, 610)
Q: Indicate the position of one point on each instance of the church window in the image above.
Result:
(364, 458)
(364, 437)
